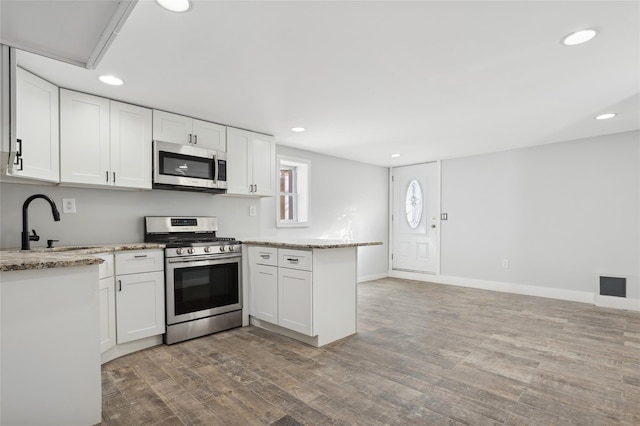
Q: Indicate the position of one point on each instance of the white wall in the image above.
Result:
(344, 195)
(562, 214)
(348, 201)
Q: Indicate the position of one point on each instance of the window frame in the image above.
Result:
(299, 194)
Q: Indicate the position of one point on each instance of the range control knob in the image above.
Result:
(222, 248)
(207, 249)
(232, 248)
(179, 251)
(191, 250)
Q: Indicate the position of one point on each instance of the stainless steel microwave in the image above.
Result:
(188, 168)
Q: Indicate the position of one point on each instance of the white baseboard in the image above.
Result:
(617, 302)
(591, 298)
(372, 277)
(504, 287)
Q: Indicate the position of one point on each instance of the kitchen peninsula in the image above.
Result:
(305, 289)
(50, 333)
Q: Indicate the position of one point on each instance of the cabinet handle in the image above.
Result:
(189, 137)
(292, 260)
(107, 175)
(195, 139)
(255, 189)
(114, 177)
(19, 160)
(19, 150)
(119, 285)
(265, 256)
(139, 256)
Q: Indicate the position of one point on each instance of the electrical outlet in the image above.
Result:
(252, 210)
(505, 263)
(68, 205)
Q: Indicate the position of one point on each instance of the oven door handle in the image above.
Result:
(201, 260)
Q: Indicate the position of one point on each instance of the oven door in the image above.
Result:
(183, 165)
(199, 287)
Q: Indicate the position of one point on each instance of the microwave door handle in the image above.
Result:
(214, 169)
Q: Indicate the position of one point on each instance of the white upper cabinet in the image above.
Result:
(209, 135)
(251, 159)
(84, 139)
(37, 128)
(104, 142)
(169, 127)
(130, 145)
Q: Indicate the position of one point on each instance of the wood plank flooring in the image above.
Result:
(424, 354)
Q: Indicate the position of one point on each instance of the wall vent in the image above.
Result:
(613, 286)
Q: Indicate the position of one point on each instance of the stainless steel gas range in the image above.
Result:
(202, 276)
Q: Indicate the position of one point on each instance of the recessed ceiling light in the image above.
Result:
(175, 5)
(606, 116)
(395, 155)
(579, 37)
(112, 80)
(298, 129)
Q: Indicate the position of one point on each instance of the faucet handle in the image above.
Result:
(34, 237)
(50, 243)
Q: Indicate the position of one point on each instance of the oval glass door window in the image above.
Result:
(413, 206)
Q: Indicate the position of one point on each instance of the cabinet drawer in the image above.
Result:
(295, 259)
(105, 269)
(263, 255)
(138, 261)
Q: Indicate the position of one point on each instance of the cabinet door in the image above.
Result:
(168, 127)
(209, 135)
(295, 300)
(130, 146)
(84, 138)
(107, 314)
(37, 127)
(264, 293)
(262, 163)
(140, 305)
(238, 178)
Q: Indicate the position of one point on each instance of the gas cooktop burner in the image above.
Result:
(192, 242)
(184, 236)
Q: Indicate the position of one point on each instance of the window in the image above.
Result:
(293, 195)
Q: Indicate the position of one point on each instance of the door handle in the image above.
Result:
(119, 285)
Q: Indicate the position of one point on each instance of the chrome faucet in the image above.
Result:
(26, 238)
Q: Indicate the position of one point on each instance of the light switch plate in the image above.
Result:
(68, 205)
(252, 210)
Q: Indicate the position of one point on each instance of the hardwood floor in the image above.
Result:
(424, 354)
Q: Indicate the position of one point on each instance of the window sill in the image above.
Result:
(293, 224)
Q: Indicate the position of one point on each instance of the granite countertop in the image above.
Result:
(310, 243)
(63, 257)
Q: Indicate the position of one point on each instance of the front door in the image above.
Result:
(415, 218)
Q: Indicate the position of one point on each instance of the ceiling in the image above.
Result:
(428, 80)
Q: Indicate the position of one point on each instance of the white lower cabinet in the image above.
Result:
(295, 309)
(264, 291)
(309, 295)
(107, 304)
(139, 295)
(132, 301)
(282, 287)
